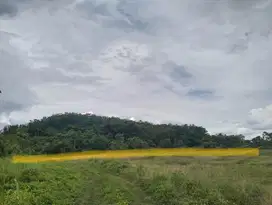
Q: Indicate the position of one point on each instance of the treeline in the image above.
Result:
(72, 132)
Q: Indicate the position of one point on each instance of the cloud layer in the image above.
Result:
(201, 62)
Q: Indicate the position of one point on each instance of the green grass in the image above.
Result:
(150, 181)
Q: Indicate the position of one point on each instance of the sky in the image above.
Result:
(198, 62)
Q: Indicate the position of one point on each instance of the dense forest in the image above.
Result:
(71, 132)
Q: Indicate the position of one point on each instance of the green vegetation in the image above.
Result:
(153, 181)
(148, 181)
(72, 132)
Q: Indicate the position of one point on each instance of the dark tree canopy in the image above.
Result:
(70, 132)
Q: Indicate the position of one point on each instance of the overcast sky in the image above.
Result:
(180, 61)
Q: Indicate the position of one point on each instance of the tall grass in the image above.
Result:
(152, 181)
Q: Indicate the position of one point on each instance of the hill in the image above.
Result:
(71, 132)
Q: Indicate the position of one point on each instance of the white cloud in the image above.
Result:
(206, 63)
(260, 119)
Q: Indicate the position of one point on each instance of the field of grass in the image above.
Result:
(149, 181)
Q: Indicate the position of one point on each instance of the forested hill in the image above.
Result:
(71, 132)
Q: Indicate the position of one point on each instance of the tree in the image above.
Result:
(165, 143)
(2, 149)
(99, 143)
(136, 143)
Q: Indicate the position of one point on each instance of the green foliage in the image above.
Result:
(72, 132)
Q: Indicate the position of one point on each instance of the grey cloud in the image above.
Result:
(264, 96)
(91, 8)
(172, 89)
(177, 72)
(119, 14)
(11, 8)
(50, 75)
(8, 106)
(201, 93)
(252, 122)
(7, 8)
(148, 76)
(14, 82)
(259, 126)
(131, 10)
